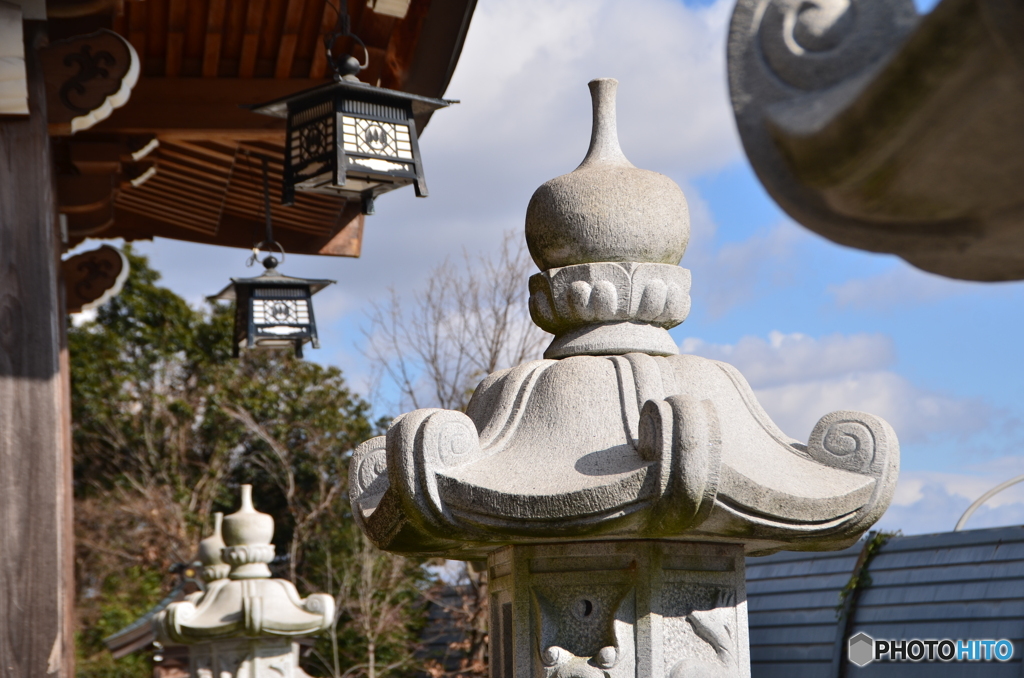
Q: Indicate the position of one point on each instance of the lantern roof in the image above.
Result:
(278, 108)
(271, 278)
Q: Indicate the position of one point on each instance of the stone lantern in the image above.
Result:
(615, 487)
(245, 624)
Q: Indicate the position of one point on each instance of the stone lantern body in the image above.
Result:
(615, 486)
(245, 623)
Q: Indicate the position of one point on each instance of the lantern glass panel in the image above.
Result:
(281, 316)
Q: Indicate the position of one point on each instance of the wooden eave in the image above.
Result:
(201, 61)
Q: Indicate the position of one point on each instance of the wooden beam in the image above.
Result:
(251, 41)
(402, 46)
(202, 107)
(36, 529)
(166, 164)
(166, 210)
(137, 28)
(236, 231)
(289, 38)
(226, 152)
(319, 67)
(221, 170)
(176, 17)
(181, 200)
(205, 202)
(214, 38)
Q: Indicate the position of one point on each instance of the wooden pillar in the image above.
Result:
(36, 534)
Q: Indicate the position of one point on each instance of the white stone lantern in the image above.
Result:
(616, 487)
(245, 624)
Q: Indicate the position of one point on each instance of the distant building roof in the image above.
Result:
(957, 585)
(139, 634)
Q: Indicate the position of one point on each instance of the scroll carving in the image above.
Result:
(87, 77)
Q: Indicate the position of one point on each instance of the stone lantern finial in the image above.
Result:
(607, 238)
(210, 549)
(247, 535)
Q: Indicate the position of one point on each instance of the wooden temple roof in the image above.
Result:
(201, 61)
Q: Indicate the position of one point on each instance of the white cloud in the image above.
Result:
(734, 272)
(916, 415)
(900, 286)
(787, 358)
(927, 501)
(798, 379)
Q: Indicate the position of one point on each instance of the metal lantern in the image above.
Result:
(273, 310)
(351, 139)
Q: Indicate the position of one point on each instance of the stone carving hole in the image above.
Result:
(583, 609)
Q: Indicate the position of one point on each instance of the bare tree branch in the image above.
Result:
(471, 320)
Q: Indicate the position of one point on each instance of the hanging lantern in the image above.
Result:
(349, 138)
(273, 310)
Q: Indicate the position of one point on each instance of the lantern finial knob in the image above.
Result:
(247, 534)
(604, 136)
(210, 552)
(607, 209)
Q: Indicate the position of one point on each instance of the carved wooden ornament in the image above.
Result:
(93, 277)
(87, 77)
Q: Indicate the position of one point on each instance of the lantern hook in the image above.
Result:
(269, 261)
(346, 65)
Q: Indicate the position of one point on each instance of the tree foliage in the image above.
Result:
(166, 425)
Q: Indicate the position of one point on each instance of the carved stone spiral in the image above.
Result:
(370, 465)
(844, 440)
(814, 44)
(452, 437)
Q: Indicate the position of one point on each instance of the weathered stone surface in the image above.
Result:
(886, 131)
(610, 308)
(620, 445)
(607, 209)
(616, 489)
(618, 609)
(246, 658)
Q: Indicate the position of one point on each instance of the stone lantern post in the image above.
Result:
(615, 486)
(245, 623)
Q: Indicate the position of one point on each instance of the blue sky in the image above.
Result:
(815, 327)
